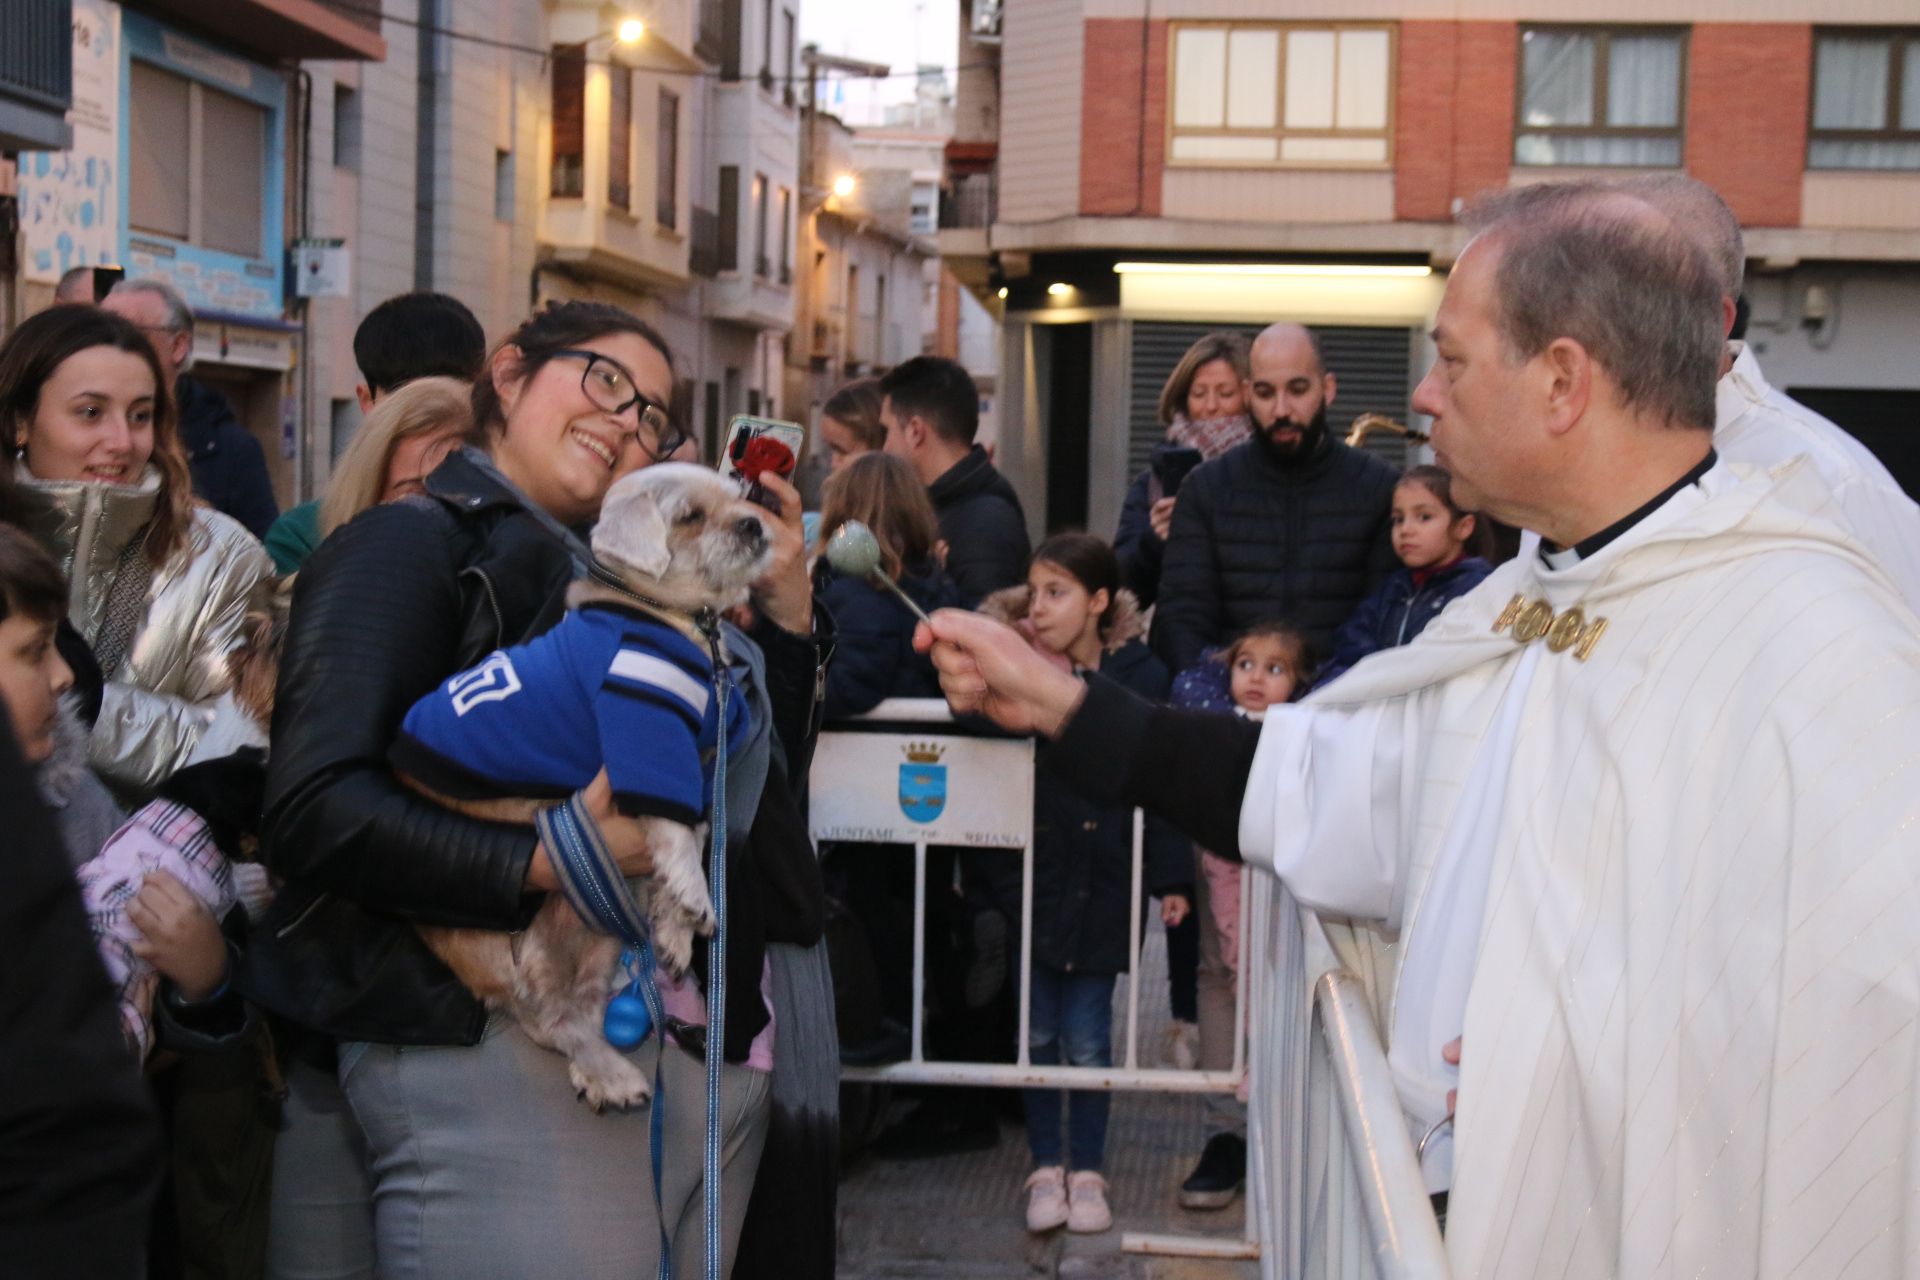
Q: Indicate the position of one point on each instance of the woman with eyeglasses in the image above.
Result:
(480, 1160)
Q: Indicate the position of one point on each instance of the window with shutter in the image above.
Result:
(569, 119)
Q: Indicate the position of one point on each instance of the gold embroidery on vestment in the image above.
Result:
(1569, 630)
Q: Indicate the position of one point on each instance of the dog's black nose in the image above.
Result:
(750, 528)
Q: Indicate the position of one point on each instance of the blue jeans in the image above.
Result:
(1071, 1014)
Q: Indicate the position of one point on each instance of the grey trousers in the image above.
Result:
(1225, 1113)
(484, 1163)
(321, 1224)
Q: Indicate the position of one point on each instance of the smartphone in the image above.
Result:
(1172, 467)
(104, 278)
(756, 446)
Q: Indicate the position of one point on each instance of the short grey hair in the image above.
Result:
(1699, 212)
(179, 314)
(1616, 276)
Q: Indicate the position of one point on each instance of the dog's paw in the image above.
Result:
(609, 1080)
(672, 941)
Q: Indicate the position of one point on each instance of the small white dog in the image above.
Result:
(626, 682)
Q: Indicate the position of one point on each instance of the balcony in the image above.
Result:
(969, 202)
(710, 37)
(704, 259)
(36, 77)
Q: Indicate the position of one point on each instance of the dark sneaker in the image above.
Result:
(1217, 1179)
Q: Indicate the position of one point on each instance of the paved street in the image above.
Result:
(962, 1215)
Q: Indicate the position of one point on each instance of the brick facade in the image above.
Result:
(1123, 117)
(1748, 86)
(1747, 92)
(1453, 114)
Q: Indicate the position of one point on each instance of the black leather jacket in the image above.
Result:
(395, 602)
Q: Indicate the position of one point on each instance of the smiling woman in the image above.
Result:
(159, 584)
(480, 1146)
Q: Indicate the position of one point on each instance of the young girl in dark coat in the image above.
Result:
(1439, 548)
(874, 657)
(1074, 610)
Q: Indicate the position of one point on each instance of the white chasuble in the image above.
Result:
(1685, 914)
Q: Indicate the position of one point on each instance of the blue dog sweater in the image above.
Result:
(609, 685)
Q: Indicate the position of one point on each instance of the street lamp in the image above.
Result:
(630, 31)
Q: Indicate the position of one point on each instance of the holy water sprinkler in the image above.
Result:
(854, 551)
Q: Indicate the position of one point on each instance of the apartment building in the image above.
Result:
(1125, 176)
(862, 301)
(180, 158)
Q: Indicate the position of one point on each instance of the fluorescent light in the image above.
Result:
(1296, 269)
(1059, 290)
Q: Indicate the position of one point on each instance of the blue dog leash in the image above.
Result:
(597, 889)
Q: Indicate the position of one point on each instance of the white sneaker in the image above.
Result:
(1047, 1198)
(1182, 1051)
(1087, 1210)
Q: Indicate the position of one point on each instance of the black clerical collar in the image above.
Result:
(1591, 546)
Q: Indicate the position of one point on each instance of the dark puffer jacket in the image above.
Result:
(1083, 850)
(1254, 540)
(985, 530)
(1399, 611)
(873, 657)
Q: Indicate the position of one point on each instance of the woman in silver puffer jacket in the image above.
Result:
(159, 584)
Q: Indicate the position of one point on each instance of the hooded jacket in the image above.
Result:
(1082, 849)
(160, 697)
(1254, 539)
(984, 528)
(1399, 611)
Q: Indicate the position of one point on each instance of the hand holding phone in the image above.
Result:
(760, 446)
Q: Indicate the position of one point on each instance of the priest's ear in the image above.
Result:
(1568, 371)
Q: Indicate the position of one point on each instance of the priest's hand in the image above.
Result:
(1450, 1054)
(987, 668)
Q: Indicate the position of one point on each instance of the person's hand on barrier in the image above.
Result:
(987, 668)
(785, 592)
(626, 838)
(1174, 908)
(179, 936)
(1160, 516)
(1450, 1054)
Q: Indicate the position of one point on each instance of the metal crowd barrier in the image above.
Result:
(1333, 1185)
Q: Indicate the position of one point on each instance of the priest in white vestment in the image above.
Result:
(1643, 813)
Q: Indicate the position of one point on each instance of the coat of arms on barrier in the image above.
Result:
(923, 782)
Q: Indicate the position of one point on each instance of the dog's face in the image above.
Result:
(683, 535)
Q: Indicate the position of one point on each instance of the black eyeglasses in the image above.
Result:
(607, 383)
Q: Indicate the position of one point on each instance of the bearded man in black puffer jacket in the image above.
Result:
(1292, 524)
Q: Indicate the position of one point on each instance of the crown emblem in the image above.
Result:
(924, 752)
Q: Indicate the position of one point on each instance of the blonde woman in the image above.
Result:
(408, 433)
(159, 584)
(1204, 408)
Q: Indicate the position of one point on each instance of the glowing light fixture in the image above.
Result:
(1001, 292)
(843, 185)
(1295, 269)
(630, 31)
(1059, 290)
